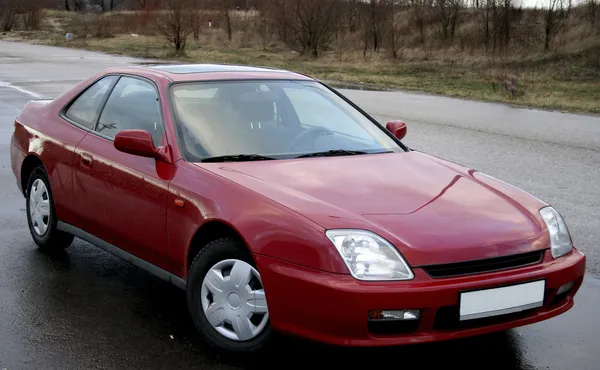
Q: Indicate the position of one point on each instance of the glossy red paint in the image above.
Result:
(126, 190)
(333, 308)
(137, 142)
(433, 211)
(397, 128)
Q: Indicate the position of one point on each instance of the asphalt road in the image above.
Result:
(85, 309)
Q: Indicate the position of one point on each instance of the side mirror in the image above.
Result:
(397, 128)
(136, 142)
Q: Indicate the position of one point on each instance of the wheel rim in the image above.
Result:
(233, 300)
(39, 207)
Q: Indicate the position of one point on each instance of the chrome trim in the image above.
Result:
(152, 269)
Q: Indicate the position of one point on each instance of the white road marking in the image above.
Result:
(20, 89)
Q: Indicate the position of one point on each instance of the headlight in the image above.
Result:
(368, 256)
(560, 239)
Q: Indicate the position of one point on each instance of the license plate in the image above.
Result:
(501, 301)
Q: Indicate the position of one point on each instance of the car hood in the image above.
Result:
(433, 211)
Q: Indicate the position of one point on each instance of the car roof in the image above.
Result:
(206, 72)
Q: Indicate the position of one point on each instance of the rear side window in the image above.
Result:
(85, 108)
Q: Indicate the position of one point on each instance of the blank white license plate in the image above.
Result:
(501, 301)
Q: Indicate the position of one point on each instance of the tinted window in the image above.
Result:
(132, 105)
(85, 108)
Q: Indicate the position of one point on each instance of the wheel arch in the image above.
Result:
(30, 162)
(209, 231)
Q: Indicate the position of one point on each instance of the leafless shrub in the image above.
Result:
(175, 24)
(510, 85)
(306, 26)
(102, 26)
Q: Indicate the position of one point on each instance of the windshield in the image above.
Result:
(273, 119)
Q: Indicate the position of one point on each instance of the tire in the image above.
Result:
(41, 214)
(221, 257)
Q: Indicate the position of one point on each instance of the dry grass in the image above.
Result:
(566, 80)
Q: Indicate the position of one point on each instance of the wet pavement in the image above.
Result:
(85, 309)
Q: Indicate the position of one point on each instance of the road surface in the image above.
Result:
(85, 309)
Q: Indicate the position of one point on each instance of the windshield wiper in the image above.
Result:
(237, 158)
(332, 153)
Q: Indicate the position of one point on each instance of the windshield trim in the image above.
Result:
(188, 157)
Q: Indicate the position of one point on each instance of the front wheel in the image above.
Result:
(226, 298)
(41, 215)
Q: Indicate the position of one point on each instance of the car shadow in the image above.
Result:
(94, 295)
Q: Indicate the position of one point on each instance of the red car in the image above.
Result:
(280, 206)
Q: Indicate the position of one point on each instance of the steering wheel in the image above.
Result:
(313, 133)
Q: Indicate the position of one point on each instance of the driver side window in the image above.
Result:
(132, 105)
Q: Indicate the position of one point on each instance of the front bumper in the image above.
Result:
(333, 308)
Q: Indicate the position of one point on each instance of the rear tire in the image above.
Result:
(41, 214)
(232, 296)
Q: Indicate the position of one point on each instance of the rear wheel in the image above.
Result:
(41, 215)
(226, 298)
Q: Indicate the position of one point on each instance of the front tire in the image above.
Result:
(41, 214)
(226, 298)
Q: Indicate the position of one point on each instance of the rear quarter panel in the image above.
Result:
(42, 133)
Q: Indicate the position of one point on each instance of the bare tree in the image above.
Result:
(33, 13)
(393, 36)
(593, 11)
(502, 21)
(553, 21)
(226, 13)
(9, 10)
(306, 26)
(485, 16)
(376, 20)
(195, 18)
(446, 14)
(110, 5)
(174, 25)
(419, 11)
(80, 5)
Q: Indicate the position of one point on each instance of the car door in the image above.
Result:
(79, 117)
(120, 197)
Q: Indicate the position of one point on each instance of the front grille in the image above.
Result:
(485, 265)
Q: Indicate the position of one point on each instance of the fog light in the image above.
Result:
(394, 315)
(565, 288)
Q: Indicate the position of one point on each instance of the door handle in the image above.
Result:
(86, 160)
